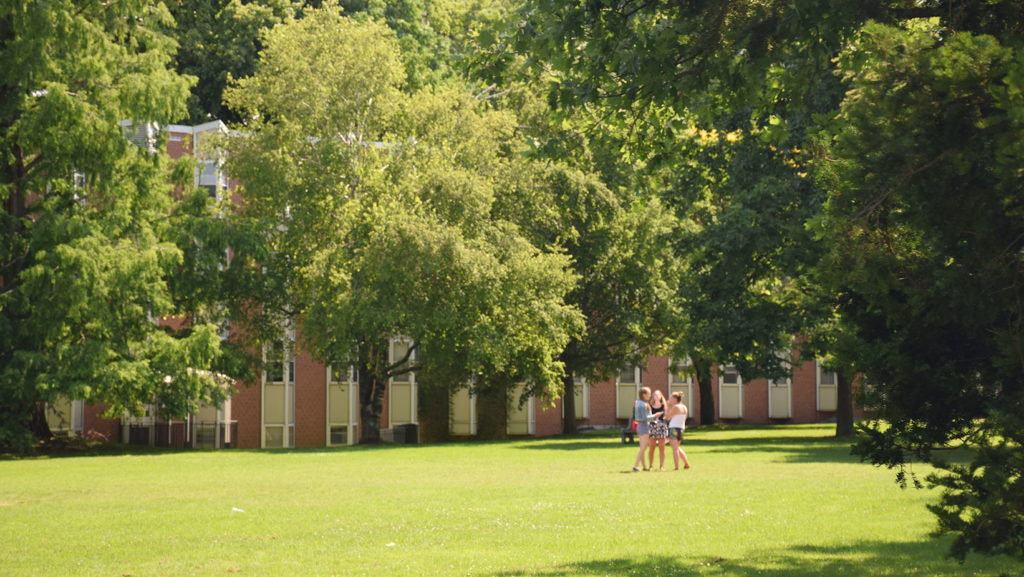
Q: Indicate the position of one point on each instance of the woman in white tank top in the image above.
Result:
(676, 416)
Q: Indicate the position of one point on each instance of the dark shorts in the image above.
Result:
(676, 433)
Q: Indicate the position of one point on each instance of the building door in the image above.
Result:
(780, 399)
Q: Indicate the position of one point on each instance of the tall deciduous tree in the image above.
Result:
(919, 174)
(717, 98)
(925, 223)
(87, 249)
(220, 39)
(378, 208)
(599, 209)
(620, 246)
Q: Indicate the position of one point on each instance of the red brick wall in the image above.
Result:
(245, 408)
(548, 420)
(179, 144)
(602, 403)
(310, 402)
(655, 375)
(98, 428)
(755, 402)
(805, 395)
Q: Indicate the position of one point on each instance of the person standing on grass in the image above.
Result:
(659, 429)
(642, 415)
(676, 416)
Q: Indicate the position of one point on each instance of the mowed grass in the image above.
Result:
(782, 501)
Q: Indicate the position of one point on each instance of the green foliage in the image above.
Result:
(87, 250)
(219, 40)
(924, 225)
(925, 233)
(745, 203)
(981, 500)
(902, 156)
(713, 102)
(378, 207)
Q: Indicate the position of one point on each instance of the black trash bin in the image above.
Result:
(410, 434)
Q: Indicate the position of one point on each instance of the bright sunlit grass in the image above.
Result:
(782, 501)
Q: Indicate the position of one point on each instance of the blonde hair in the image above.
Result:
(660, 394)
(645, 392)
(678, 396)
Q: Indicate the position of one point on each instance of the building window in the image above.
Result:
(342, 400)
(402, 388)
(463, 413)
(581, 396)
(279, 396)
(65, 417)
(521, 416)
(210, 176)
(681, 379)
(212, 427)
(627, 390)
(827, 389)
(730, 393)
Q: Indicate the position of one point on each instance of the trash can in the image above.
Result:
(410, 434)
(394, 435)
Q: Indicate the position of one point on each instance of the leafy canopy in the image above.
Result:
(378, 204)
(88, 218)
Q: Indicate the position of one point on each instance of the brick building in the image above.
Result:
(302, 403)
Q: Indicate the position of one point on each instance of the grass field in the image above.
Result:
(784, 501)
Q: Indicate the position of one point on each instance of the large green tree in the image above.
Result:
(917, 171)
(218, 40)
(925, 223)
(716, 99)
(89, 217)
(378, 209)
(597, 207)
(221, 39)
(619, 242)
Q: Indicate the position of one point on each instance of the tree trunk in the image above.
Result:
(492, 412)
(844, 404)
(568, 404)
(434, 411)
(707, 399)
(371, 405)
(38, 425)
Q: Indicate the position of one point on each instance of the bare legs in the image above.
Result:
(644, 440)
(677, 451)
(660, 444)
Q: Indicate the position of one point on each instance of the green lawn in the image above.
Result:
(783, 501)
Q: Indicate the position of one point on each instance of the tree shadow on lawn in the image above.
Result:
(866, 559)
(791, 448)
